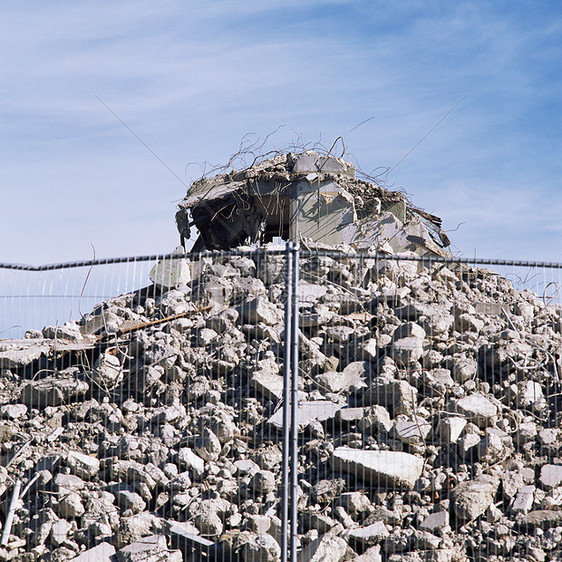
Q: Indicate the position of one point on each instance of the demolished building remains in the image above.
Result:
(306, 197)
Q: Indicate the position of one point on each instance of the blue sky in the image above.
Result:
(191, 79)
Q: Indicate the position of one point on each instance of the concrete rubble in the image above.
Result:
(309, 197)
(429, 423)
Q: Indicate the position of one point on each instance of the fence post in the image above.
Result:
(294, 401)
(286, 398)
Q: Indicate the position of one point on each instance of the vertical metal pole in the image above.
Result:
(286, 399)
(294, 404)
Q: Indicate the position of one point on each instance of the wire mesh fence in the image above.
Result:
(279, 404)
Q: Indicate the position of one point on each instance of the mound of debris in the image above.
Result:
(305, 197)
(429, 419)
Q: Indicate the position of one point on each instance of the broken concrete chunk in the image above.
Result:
(478, 409)
(171, 272)
(14, 359)
(397, 396)
(150, 549)
(326, 548)
(260, 547)
(435, 522)
(523, 502)
(451, 428)
(69, 331)
(383, 468)
(372, 554)
(411, 430)
(551, 476)
(64, 387)
(258, 310)
(369, 535)
(188, 459)
(208, 446)
(495, 445)
(319, 410)
(71, 506)
(407, 343)
(542, 519)
(84, 466)
(13, 411)
(471, 498)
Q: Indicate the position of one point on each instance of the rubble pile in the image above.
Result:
(429, 418)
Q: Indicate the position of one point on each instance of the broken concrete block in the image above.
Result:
(258, 310)
(354, 503)
(70, 506)
(376, 420)
(541, 519)
(478, 409)
(183, 537)
(524, 499)
(384, 468)
(337, 382)
(471, 498)
(261, 547)
(14, 359)
(435, 522)
(369, 535)
(208, 446)
(397, 396)
(69, 331)
(64, 387)
(326, 548)
(149, 549)
(411, 430)
(529, 394)
(169, 273)
(372, 554)
(84, 466)
(495, 445)
(188, 459)
(13, 411)
(350, 415)
(450, 429)
(551, 476)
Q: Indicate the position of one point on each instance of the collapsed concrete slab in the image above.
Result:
(305, 197)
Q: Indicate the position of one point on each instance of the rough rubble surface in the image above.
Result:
(429, 426)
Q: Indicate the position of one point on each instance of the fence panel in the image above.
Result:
(155, 412)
